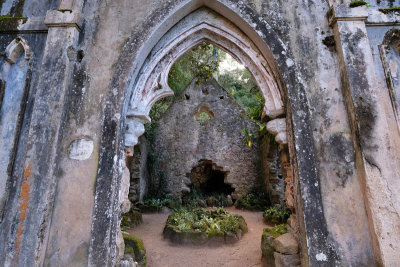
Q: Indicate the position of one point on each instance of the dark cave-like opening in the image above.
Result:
(209, 179)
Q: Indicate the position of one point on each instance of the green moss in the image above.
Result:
(131, 219)
(65, 10)
(134, 246)
(10, 23)
(276, 231)
(357, 3)
(390, 10)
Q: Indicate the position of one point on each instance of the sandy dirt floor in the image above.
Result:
(160, 252)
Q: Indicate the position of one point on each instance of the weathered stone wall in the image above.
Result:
(343, 135)
(271, 168)
(182, 141)
(138, 168)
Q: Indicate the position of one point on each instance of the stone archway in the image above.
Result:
(147, 84)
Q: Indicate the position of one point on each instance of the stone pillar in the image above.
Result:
(29, 211)
(376, 164)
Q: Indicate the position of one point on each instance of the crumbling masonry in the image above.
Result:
(78, 79)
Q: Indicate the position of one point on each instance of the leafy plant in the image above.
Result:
(276, 231)
(255, 200)
(277, 214)
(215, 222)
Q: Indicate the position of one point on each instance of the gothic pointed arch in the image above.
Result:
(140, 80)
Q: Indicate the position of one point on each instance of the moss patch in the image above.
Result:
(131, 219)
(134, 246)
(357, 3)
(198, 226)
(65, 10)
(276, 231)
(390, 10)
(9, 23)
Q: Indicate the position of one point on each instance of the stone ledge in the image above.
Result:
(68, 18)
(343, 12)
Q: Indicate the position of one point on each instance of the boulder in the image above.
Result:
(282, 260)
(267, 247)
(286, 244)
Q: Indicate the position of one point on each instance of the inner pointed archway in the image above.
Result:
(201, 25)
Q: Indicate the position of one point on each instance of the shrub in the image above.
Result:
(277, 214)
(187, 225)
(255, 201)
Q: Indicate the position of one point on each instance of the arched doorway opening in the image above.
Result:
(204, 25)
(147, 83)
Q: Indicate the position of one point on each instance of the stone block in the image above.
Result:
(282, 260)
(267, 247)
(286, 244)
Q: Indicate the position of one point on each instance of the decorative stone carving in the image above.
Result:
(276, 126)
(134, 129)
(80, 149)
(18, 46)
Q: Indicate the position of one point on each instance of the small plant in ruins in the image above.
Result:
(203, 117)
(255, 201)
(277, 214)
(200, 225)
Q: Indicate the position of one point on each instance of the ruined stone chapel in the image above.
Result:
(78, 79)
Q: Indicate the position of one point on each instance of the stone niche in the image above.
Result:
(200, 140)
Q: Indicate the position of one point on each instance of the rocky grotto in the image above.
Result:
(78, 80)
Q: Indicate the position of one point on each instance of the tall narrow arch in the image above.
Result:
(128, 105)
(13, 94)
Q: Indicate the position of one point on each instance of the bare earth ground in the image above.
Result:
(160, 252)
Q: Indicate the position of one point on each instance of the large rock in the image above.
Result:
(267, 247)
(286, 244)
(282, 260)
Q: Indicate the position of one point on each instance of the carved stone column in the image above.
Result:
(375, 160)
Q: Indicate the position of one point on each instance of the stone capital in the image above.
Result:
(343, 12)
(134, 129)
(62, 18)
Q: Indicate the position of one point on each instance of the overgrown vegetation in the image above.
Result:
(132, 218)
(390, 10)
(134, 247)
(201, 225)
(255, 200)
(196, 199)
(357, 3)
(153, 204)
(277, 214)
(277, 230)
